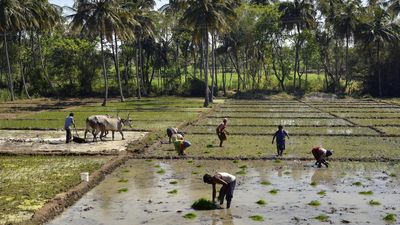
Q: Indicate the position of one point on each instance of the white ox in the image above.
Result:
(112, 124)
(92, 124)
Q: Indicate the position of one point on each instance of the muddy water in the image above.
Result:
(147, 201)
(54, 141)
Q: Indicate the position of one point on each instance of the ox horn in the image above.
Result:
(129, 114)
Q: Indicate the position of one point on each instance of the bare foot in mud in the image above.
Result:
(219, 206)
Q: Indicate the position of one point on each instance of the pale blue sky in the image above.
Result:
(71, 2)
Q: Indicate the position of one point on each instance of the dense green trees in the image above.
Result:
(128, 48)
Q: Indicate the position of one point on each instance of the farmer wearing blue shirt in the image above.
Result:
(67, 126)
(280, 136)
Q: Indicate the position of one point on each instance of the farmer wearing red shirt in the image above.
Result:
(321, 154)
(221, 132)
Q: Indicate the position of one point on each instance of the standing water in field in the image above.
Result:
(276, 192)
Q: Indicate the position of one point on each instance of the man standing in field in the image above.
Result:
(320, 154)
(67, 126)
(280, 136)
(221, 132)
(228, 182)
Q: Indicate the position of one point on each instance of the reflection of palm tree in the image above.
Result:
(377, 30)
(324, 176)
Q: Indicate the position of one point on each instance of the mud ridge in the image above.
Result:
(57, 153)
(266, 158)
(299, 134)
(274, 117)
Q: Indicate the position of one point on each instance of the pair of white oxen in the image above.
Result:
(104, 123)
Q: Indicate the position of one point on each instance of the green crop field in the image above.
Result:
(148, 114)
(27, 183)
(353, 128)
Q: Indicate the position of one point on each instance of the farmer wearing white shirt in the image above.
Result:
(67, 126)
(228, 182)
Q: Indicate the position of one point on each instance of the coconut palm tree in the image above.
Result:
(297, 15)
(12, 19)
(203, 17)
(377, 29)
(143, 27)
(98, 18)
(394, 6)
(345, 23)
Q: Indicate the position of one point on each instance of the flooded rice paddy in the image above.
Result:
(162, 192)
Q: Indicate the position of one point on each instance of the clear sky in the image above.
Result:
(71, 2)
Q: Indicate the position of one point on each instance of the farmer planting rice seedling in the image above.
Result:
(172, 132)
(228, 182)
(180, 144)
(222, 132)
(280, 136)
(321, 155)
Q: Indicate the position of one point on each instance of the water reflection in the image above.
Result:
(324, 176)
(223, 217)
(147, 199)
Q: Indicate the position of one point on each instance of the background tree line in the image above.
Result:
(126, 48)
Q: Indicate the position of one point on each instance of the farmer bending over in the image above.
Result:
(321, 154)
(280, 136)
(180, 144)
(228, 182)
(68, 122)
(221, 132)
(171, 132)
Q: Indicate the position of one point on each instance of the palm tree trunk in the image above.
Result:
(141, 65)
(212, 65)
(296, 59)
(104, 72)
(10, 78)
(116, 62)
(194, 62)
(139, 93)
(379, 69)
(24, 82)
(202, 60)
(347, 64)
(205, 69)
(223, 76)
